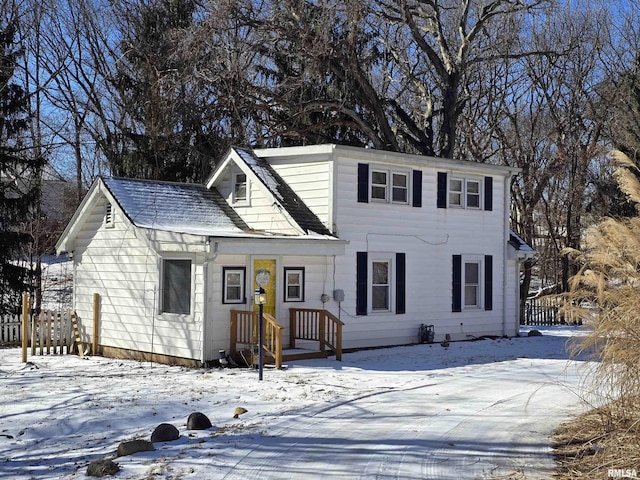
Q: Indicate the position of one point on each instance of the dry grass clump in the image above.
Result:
(596, 442)
(609, 280)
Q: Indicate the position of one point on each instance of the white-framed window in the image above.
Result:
(472, 284)
(472, 194)
(176, 286)
(399, 187)
(293, 284)
(379, 180)
(109, 215)
(455, 192)
(380, 271)
(389, 186)
(233, 284)
(240, 188)
(465, 193)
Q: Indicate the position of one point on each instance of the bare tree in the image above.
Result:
(567, 85)
(80, 57)
(443, 49)
(396, 75)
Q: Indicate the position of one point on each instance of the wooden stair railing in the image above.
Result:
(273, 338)
(244, 331)
(316, 325)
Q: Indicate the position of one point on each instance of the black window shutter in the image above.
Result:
(417, 188)
(456, 301)
(442, 190)
(363, 183)
(488, 282)
(361, 283)
(488, 193)
(401, 293)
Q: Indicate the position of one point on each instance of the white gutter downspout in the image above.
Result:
(207, 263)
(205, 312)
(505, 244)
(519, 263)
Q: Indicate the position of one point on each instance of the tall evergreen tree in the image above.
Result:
(19, 172)
(166, 137)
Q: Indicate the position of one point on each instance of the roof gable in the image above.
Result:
(260, 169)
(176, 207)
(282, 192)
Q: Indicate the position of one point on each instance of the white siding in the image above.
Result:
(260, 213)
(429, 237)
(124, 270)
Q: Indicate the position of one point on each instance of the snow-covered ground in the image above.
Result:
(481, 409)
(57, 281)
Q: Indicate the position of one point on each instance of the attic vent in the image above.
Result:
(108, 215)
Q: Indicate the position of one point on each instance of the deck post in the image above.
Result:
(233, 337)
(292, 327)
(321, 330)
(25, 325)
(339, 342)
(278, 352)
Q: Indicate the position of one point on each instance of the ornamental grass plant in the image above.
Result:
(605, 295)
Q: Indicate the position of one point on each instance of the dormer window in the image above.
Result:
(240, 190)
(109, 215)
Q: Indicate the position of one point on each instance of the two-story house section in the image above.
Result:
(377, 242)
(428, 240)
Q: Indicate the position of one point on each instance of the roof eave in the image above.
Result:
(65, 243)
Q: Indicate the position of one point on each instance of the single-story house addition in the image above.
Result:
(380, 242)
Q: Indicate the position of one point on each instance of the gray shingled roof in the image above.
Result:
(176, 207)
(285, 195)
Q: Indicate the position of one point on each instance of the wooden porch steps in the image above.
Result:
(291, 354)
(288, 355)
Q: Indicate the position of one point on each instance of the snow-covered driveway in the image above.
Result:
(478, 422)
(481, 409)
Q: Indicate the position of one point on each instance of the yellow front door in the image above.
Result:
(270, 288)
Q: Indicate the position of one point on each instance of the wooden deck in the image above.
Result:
(312, 334)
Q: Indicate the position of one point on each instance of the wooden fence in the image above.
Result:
(47, 332)
(546, 311)
(11, 330)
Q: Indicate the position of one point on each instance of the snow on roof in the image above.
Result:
(283, 193)
(177, 207)
(518, 243)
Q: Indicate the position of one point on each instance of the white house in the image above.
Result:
(381, 241)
